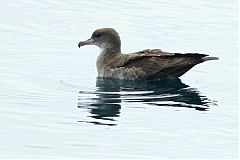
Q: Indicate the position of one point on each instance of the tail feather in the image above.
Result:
(209, 58)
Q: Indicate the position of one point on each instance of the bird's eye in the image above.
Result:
(98, 35)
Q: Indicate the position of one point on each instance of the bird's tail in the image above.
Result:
(209, 58)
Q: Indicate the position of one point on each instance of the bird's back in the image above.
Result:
(154, 64)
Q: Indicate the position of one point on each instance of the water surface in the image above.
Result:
(52, 105)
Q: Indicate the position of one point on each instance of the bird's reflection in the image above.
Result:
(104, 103)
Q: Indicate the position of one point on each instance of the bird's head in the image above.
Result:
(103, 38)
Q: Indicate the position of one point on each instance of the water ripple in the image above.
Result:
(106, 101)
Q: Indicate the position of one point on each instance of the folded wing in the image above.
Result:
(156, 63)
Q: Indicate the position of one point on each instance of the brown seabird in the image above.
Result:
(145, 64)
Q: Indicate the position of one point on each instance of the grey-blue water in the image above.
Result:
(53, 106)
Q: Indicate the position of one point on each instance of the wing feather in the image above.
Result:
(156, 63)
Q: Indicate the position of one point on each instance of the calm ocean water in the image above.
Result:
(52, 105)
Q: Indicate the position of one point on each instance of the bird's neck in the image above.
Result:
(110, 51)
(107, 58)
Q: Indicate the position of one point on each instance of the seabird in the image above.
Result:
(146, 64)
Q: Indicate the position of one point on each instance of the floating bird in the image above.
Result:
(146, 64)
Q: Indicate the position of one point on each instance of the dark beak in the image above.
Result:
(87, 42)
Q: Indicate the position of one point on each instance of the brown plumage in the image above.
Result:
(146, 64)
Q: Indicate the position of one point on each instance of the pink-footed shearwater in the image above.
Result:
(145, 64)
